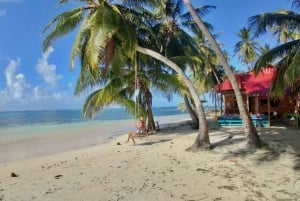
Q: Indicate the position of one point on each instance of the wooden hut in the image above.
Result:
(255, 91)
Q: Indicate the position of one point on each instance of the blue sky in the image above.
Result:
(33, 80)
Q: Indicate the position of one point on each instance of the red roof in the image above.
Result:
(260, 84)
(251, 83)
(226, 84)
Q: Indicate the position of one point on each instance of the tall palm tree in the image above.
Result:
(246, 48)
(180, 46)
(100, 45)
(173, 41)
(283, 33)
(104, 31)
(253, 140)
(148, 73)
(285, 56)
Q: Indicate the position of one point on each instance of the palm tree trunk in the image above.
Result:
(193, 115)
(253, 140)
(202, 140)
(150, 120)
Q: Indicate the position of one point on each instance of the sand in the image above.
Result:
(159, 168)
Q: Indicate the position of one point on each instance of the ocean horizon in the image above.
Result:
(10, 119)
(32, 133)
(20, 125)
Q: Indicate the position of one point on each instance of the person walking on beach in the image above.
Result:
(140, 128)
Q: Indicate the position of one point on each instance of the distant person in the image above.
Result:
(275, 115)
(140, 128)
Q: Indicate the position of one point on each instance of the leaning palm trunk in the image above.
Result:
(150, 120)
(193, 115)
(253, 140)
(202, 140)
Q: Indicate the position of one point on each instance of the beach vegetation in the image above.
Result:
(253, 140)
(247, 49)
(110, 29)
(285, 56)
(180, 40)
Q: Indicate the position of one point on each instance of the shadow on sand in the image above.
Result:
(154, 142)
(279, 139)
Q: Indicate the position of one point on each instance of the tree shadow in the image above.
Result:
(229, 141)
(277, 140)
(181, 128)
(154, 142)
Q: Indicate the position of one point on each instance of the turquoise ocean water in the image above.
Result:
(51, 117)
(26, 134)
(24, 124)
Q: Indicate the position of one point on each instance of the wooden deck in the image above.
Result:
(236, 121)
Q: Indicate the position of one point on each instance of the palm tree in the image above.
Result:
(118, 89)
(264, 49)
(180, 46)
(104, 33)
(247, 47)
(153, 75)
(253, 139)
(173, 42)
(285, 56)
(283, 33)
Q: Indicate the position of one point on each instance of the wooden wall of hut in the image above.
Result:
(231, 106)
(281, 106)
(259, 104)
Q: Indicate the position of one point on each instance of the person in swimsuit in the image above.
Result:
(140, 128)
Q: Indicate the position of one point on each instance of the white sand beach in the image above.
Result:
(159, 168)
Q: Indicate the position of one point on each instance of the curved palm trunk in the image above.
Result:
(202, 140)
(150, 120)
(192, 113)
(253, 140)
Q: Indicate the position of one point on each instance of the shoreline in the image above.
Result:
(159, 168)
(50, 139)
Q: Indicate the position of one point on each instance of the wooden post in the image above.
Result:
(269, 108)
(216, 104)
(247, 102)
(222, 105)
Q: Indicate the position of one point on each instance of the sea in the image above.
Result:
(26, 134)
(24, 124)
(49, 117)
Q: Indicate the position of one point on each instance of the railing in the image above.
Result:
(235, 120)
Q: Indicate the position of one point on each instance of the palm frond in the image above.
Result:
(80, 42)
(112, 92)
(262, 22)
(201, 11)
(276, 54)
(63, 24)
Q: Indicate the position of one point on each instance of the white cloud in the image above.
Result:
(16, 83)
(2, 13)
(47, 71)
(18, 94)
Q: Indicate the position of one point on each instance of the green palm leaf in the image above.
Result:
(262, 22)
(64, 24)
